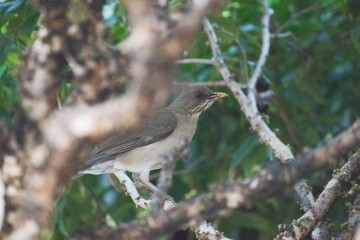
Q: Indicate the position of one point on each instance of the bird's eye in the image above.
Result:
(199, 95)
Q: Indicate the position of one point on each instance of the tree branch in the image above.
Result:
(56, 143)
(280, 150)
(196, 60)
(297, 15)
(264, 52)
(304, 194)
(350, 229)
(220, 83)
(287, 122)
(336, 187)
(2, 200)
(307, 201)
(274, 179)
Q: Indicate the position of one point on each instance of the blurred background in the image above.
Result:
(312, 68)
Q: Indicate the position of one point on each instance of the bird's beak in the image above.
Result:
(218, 95)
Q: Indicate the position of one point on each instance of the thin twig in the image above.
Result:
(304, 194)
(220, 83)
(182, 171)
(297, 15)
(264, 52)
(196, 60)
(245, 69)
(280, 150)
(269, 94)
(59, 103)
(287, 122)
(245, 66)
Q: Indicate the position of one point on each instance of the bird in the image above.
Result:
(141, 151)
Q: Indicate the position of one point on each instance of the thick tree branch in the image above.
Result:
(41, 73)
(336, 187)
(73, 123)
(307, 200)
(56, 143)
(2, 200)
(207, 232)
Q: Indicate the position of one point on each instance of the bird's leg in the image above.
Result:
(143, 178)
(131, 189)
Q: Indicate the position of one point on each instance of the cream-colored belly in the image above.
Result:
(149, 157)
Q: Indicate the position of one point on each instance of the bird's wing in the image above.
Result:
(157, 127)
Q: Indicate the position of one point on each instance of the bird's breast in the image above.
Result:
(149, 157)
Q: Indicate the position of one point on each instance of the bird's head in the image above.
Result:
(196, 99)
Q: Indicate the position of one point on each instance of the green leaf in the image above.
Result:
(63, 229)
(244, 150)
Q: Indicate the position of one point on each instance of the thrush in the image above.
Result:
(141, 151)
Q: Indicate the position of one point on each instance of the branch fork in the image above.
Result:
(247, 103)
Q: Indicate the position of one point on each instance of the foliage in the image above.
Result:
(314, 73)
(18, 20)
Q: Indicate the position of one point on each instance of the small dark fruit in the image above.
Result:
(262, 106)
(262, 84)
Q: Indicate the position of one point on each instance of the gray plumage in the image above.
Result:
(153, 130)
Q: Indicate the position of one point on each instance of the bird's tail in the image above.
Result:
(79, 174)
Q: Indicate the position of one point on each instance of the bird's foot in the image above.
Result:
(141, 202)
(131, 190)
